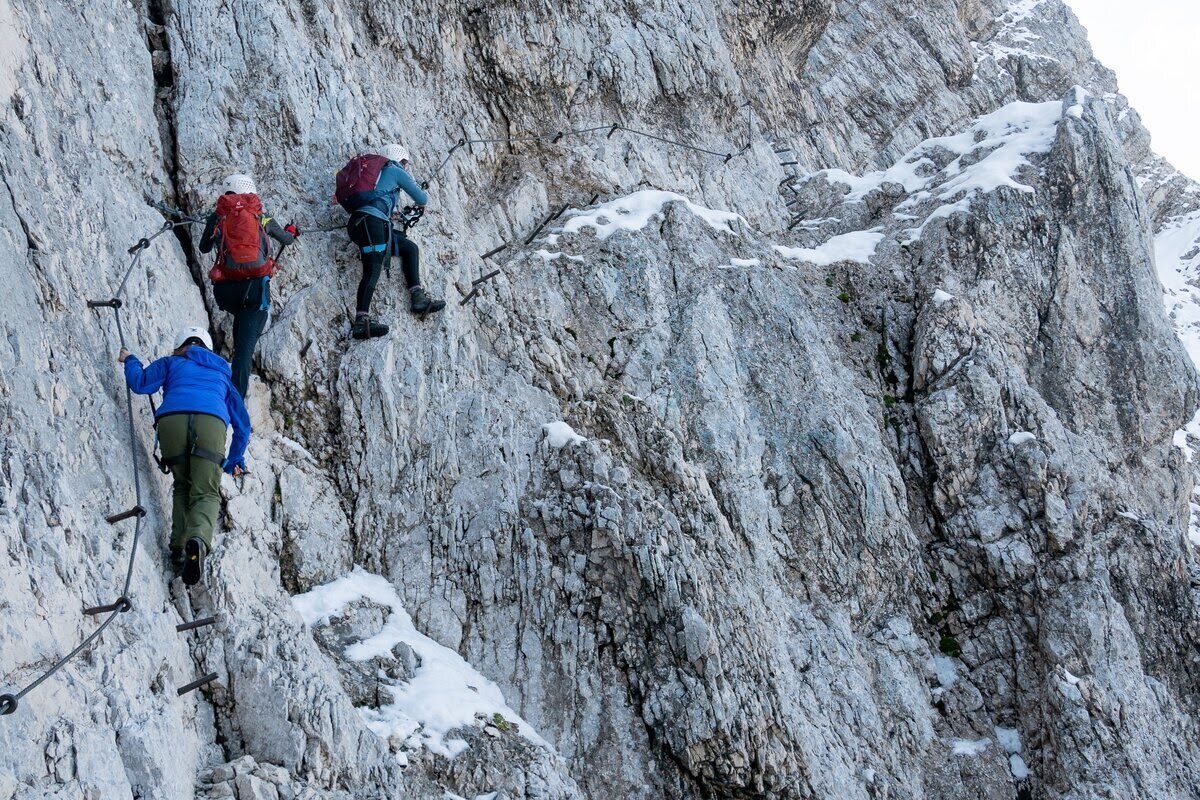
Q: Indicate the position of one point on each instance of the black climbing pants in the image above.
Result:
(249, 302)
(377, 242)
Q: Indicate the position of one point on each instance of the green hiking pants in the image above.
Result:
(197, 496)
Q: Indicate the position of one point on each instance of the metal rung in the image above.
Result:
(8, 704)
(538, 230)
(136, 511)
(196, 684)
(470, 295)
(788, 179)
(196, 623)
(121, 604)
(788, 163)
(491, 253)
(113, 303)
(485, 278)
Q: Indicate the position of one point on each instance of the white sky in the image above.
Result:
(1154, 47)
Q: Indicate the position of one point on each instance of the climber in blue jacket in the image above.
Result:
(199, 403)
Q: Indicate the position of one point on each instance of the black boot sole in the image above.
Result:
(193, 566)
(432, 309)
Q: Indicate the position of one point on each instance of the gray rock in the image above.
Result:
(798, 485)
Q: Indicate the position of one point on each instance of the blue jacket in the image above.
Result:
(392, 179)
(197, 382)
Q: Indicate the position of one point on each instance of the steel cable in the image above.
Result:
(9, 702)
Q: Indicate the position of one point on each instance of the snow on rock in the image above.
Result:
(445, 693)
(989, 155)
(1177, 259)
(857, 247)
(635, 211)
(1021, 437)
(1177, 256)
(548, 255)
(940, 298)
(734, 263)
(1009, 740)
(969, 747)
(559, 434)
(946, 673)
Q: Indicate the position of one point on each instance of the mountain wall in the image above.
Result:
(855, 464)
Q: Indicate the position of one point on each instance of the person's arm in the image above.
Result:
(147, 380)
(206, 239)
(406, 182)
(241, 430)
(277, 231)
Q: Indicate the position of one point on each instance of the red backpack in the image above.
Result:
(359, 176)
(244, 251)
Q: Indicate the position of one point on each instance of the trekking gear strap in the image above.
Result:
(191, 449)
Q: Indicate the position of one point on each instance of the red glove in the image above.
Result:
(293, 230)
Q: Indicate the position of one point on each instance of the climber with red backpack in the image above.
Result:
(242, 273)
(369, 187)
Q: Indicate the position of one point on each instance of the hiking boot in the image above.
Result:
(423, 304)
(365, 328)
(193, 564)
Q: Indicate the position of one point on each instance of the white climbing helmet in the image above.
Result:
(239, 183)
(192, 332)
(394, 152)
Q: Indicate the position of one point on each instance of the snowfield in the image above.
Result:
(446, 693)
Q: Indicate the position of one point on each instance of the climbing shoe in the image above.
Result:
(423, 304)
(365, 328)
(193, 564)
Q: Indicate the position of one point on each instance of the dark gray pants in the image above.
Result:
(249, 302)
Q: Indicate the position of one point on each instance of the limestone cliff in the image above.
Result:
(850, 459)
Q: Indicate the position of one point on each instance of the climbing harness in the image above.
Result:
(122, 604)
(192, 449)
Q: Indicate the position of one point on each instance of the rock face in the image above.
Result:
(868, 484)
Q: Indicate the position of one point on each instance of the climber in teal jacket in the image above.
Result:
(199, 403)
(370, 228)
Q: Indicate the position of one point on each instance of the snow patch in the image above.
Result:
(1021, 437)
(559, 434)
(549, 256)
(634, 212)
(990, 153)
(446, 692)
(967, 747)
(943, 669)
(940, 298)
(858, 247)
(1177, 259)
(1009, 739)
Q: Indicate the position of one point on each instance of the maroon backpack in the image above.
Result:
(358, 179)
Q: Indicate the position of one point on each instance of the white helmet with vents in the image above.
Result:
(192, 332)
(394, 152)
(239, 183)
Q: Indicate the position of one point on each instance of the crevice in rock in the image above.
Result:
(30, 244)
(158, 43)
